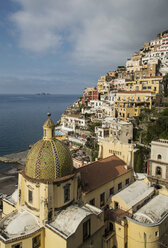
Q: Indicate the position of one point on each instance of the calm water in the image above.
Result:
(22, 117)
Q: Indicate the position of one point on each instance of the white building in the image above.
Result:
(110, 97)
(72, 121)
(116, 129)
(95, 104)
(164, 43)
(119, 83)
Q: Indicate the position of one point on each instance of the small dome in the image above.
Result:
(49, 158)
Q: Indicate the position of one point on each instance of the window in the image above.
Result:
(102, 199)
(66, 193)
(19, 195)
(127, 181)
(111, 191)
(116, 205)
(159, 156)
(158, 171)
(119, 186)
(30, 196)
(157, 234)
(36, 241)
(92, 202)
(86, 230)
(19, 245)
(111, 228)
(50, 215)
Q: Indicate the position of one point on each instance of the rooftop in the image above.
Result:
(100, 172)
(12, 198)
(153, 211)
(74, 115)
(154, 77)
(164, 141)
(67, 221)
(116, 121)
(116, 215)
(18, 224)
(135, 92)
(135, 193)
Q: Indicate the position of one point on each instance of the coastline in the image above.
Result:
(15, 158)
(10, 165)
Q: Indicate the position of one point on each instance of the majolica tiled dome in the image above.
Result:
(49, 158)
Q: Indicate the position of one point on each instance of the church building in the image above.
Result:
(99, 205)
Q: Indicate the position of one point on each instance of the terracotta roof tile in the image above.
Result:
(116, 214)
(133, 92)
(101, 172)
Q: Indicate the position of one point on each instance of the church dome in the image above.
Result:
(49, 158)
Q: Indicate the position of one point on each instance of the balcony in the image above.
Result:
(108, 235)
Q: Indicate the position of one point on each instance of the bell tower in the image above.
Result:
(157, 168)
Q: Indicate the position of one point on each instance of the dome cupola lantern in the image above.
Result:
(48, 129)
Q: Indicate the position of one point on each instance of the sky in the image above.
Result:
(64, 46)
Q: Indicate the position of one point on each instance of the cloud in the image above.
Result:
(57, 83)
(88, 31)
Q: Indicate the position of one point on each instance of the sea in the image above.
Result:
(22, 118)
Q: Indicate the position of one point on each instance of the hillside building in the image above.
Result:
(114, 128)
(153, 84)
(89, 94)
(71, 121)
(130, 103)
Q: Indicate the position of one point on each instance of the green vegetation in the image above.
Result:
(150, 125)
(92, 126)
(141, 157)
(93, 146)
(147, 129)
(165, 85)
(165, 32)
(157, 129)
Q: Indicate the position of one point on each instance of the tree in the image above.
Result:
(165, 84)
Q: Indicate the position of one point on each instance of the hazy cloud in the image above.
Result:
(90, 31)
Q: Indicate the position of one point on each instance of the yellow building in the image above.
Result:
(130, 103)
(97, 205)
(153, 84)
(100, 84)
(139, 217)
(112, 146)
(44, 210)
(112, 175)
(50, 206)
(104, 85)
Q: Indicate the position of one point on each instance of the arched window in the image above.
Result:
(159, 156)
(158, 171)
